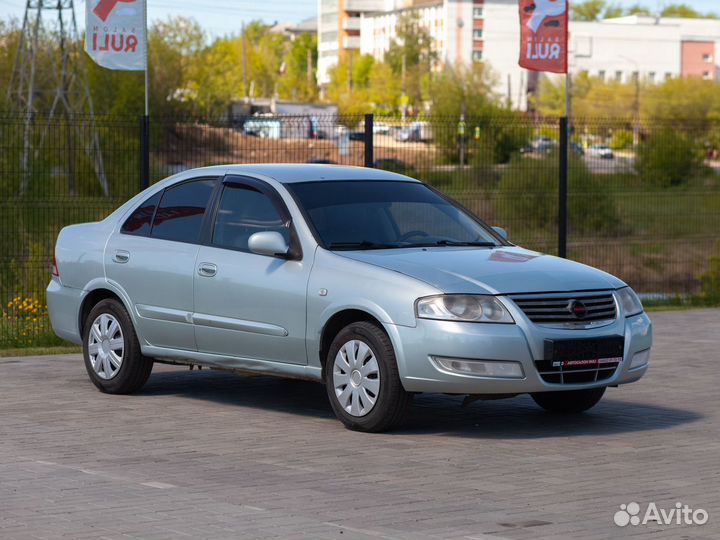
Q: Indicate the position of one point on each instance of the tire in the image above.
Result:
(569, 401)
(102, 368)
(391, 401)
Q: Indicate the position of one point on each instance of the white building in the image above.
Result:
(339, 31)
(465, 31)
(654, 49)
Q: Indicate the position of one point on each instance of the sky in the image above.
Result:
(220, 17)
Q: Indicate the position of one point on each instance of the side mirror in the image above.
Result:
(501, 232)
(268, 243)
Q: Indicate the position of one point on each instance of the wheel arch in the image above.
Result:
(337, 322)
(95, 294)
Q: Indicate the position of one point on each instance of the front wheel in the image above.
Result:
(362, 380)
(111, 350)
(569, 401)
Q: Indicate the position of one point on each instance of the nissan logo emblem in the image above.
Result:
(578, 309)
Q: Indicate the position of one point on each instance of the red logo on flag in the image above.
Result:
(105, 7)
(544, 35)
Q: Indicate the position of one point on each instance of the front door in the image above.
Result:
(248, 305)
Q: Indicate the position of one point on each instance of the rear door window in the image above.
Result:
(140, 221)
(179, 215)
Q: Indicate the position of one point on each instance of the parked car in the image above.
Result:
(540, 145)
(415, 132)
(546, 145)
(381, 128)
(601, 151)
(392, 164)
(365, 280)
(322, 161)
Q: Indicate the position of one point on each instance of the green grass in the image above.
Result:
(40, 351)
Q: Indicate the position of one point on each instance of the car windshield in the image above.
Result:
(361, 215)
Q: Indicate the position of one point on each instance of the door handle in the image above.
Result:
(207, 269)
(121, 256)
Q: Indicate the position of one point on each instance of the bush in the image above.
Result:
(528, 196)
(621, 139)
(710, 281)
(492, 135)
(668, 158)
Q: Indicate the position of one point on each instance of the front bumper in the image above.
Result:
(522, 342)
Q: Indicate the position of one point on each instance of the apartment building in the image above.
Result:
(339, 31)
(464, 31)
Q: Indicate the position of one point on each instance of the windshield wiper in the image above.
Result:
(365, 244)
(454, 243)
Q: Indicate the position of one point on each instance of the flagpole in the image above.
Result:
(145, 121)
(147, 46)
(565, 148)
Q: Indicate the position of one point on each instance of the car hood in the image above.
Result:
(502, 270)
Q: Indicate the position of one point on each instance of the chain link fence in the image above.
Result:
(643, 199)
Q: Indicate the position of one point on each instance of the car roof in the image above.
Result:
(289, 173)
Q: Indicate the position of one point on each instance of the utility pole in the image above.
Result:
(636, 102)
(65, 87)
(244, 61)
(350, 71)
(403, 70)
(309, 68)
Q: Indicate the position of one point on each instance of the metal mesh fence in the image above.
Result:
(643, 199)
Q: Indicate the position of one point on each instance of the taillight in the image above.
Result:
(54, 268)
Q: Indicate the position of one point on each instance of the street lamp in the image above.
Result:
(636, 104)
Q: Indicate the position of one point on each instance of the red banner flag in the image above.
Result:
(544, 35)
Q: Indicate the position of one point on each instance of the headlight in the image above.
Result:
(629, 301)
(463, 307)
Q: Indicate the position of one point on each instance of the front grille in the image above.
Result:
(575, 361)
(567, 309)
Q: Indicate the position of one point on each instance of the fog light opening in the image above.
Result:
(640, 359)
(481, 368)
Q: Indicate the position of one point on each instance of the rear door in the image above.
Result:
(249, 305)
(152, 257)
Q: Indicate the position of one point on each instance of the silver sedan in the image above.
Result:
(368, 281)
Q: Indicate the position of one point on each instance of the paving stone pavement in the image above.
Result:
(216, 455)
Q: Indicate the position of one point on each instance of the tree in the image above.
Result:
(638, 9)
(687, 101)
(265, 58)
(352, 97)
(211, 84)
(613, 11)
(411, 57)
(591, 97)
(680, 10)
(589, 10)
(298, 81)
(9, 39)
(464, 96)
(384, 89)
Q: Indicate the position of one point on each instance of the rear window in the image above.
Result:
(140, 220)
(180, 213)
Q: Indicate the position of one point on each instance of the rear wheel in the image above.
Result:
(111, 350)
(362, 380)
(569, 401)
